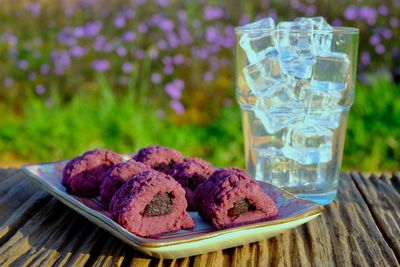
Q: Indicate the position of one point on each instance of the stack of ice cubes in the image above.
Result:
(298, 82)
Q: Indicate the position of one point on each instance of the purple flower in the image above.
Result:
(182, 16)
(199, 53)
(79, 32)
(244, 20)
(394, 22)
(153, 53)
(128, 36)
(101, 65)
(212, 34)
(167, 25)
(177, 107)
(61, 61)
(380, 49)
(66, 36)
(10, 38)
(22, 64)
(208, 76)
(179, 59)
(127, 67)
(211, 13)
(184, 35)
(8, 82)
(173, 91)
(31, 75)
(383, 10)
(119, 21)
(40, 89)
(168, 69)
(77, 51)
(99, 43)
(387, 33)
(93, 28)
(162, 3)
(350, 13)
(162, 44)
(34, 8)
(337, 22)
(44, 69)
(167, 60)
(143, 28)
(272, 13)
(365, 58)
(129, 13)
(121, 51)
(139, 53)
(173, 40)
(368, 14)
(374, 39)
(155, 78)
(310, 11)
(227, 102)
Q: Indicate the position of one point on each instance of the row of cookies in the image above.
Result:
(150, 193)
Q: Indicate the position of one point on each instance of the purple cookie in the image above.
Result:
(83, 175)
(229, 197)
(158, 157)
(190, 173)
(116, 176)
(151, 203)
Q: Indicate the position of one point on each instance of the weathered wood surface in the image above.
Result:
(360, 228)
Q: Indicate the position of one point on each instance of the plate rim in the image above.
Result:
(145, 242)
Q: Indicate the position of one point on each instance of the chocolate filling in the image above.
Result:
(240, 207)
(160, 205)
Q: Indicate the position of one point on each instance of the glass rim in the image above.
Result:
(336, 30)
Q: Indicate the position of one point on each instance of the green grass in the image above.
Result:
(126, 123)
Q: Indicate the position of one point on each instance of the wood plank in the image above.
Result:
(33, 231)
(7, 183)
(22, 214)
(15, 197)
(383, 201)
(5, 173)
(396, 181)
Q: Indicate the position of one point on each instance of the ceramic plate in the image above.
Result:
(292, 212)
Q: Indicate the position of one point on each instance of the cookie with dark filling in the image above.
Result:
(151, 203)
(158, 158)
(229, 197)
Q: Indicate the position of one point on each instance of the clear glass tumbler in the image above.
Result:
(294, 111)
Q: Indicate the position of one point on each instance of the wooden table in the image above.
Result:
(361, 228)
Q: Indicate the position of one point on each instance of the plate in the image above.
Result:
(292, 212)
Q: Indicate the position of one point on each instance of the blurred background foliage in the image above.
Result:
(80, 74)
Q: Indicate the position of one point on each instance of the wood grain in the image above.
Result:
(360, 228)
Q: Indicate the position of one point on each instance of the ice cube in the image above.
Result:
(308, 144)
(295, 48)
(263, 75)
(322, 34)
(278, 107)
(331, 71)
(258, 39)
(321, 107)
(262, 139)
(273, 167)
(315, 98)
